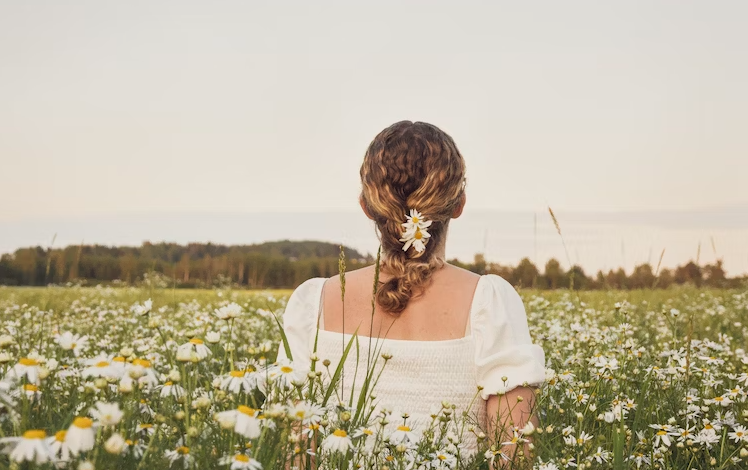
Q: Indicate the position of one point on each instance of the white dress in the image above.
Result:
(422, 374)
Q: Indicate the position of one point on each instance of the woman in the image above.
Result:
(451, 334)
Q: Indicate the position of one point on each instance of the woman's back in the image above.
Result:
(441, 312)
(422, 371)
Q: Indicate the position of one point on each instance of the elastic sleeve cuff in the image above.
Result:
(520, 364)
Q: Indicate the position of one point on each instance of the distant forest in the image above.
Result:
(285, 264)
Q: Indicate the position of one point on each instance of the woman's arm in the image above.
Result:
(508, 412)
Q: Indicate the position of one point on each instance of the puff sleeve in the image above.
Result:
(300, 321)
(503, 346)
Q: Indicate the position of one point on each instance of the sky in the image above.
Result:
(111, 110)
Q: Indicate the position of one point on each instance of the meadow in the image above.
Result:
(136, 378)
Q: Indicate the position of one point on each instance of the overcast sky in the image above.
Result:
(153, 106)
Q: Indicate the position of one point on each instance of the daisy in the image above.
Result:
(26, 367)
(72, 342)
(415, 220)
(238, 380)
(244, 419)
(107, 414)
(59, 449)
(194, 346)
(171, 389)
(443, 459)
(80, 435)
(306, 412)
(142, 370)
(182, 453)
(140, 310)
(115, 444)
(101, 366)
(740, 433)
(286, 374)
(338, 441)
(241, 462)
(415, 237)
(31, 447)
(228, 312)
(403, 434)
(32, 391)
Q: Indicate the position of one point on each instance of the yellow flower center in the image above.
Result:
(83, 423)
(707, 426)
(25, 361)
(196, 341)
(418, 235)
(168, 384)
(142, 362)
(441, 457)
(718, 398)
(119, 359)
(128, 442)
(241, 458)
(246, 410)
(146, 426)
(102, 364)
(580, 441)
(35, 434)
(183, 450)
(403, 428)
(60, 436)
(286, 369)
(415, 220)
(661, 433)
(340, 433)
(237, 373)
(31, 388)
(368, 432)
(72, 346)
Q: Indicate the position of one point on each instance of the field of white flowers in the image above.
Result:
(155, 378)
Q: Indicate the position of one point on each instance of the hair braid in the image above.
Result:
(410, 166)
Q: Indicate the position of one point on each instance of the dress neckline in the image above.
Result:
(438, 342)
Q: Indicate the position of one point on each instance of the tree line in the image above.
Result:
(285, 264)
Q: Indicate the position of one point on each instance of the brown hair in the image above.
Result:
(410, 166)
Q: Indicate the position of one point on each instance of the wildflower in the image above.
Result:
(180, 453)
(107, 414)
(228, 312)
(102, 366)
(443, 459)
(600, 455)
(241, 462)
(59, 449)
(72, 342)
(194, 348)
(238, 380)
(80, 435)
(141, 310)
(415, 231)
(403, 434)
(170, 389)
(306, 412)
(26, 367)
(30, 447)
(213, 337)
(115, 444)
(338, 441)
(245, 421)
(286, 374)
(739, 433)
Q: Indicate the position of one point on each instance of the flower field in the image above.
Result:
(132, 378)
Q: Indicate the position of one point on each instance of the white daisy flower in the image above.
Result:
(338, 441)
(80, 436)
(72, 342)
(403, 434)
(194, 348)
(306, 412)
(58, 447)
(228, 312)
(26, 367)
(32, 446)
(107, 414)
(241, 462)
(243, 420)
(170, 389)
(238, 380)
(180, 453)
